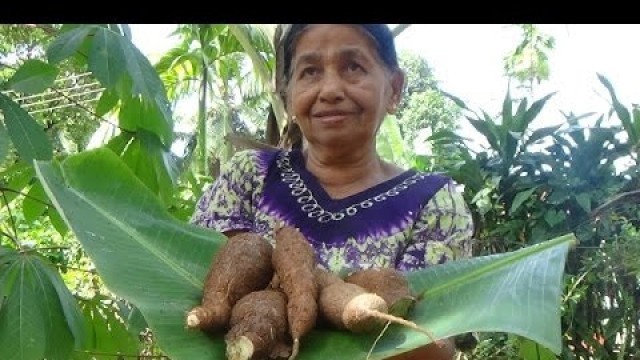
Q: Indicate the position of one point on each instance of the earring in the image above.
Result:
(392, 108)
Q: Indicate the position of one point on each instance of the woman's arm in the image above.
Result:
(442, 232)
(226, 205)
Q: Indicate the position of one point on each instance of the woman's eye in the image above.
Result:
(308, 71)
(353, 66)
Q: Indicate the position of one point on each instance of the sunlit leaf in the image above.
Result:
(167, 259)
(529, 350)
(147, 83)
(106, 60)
(34, 76)
(107, 101)
(35, 203)
(68, 43)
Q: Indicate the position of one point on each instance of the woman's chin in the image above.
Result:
(337, 140)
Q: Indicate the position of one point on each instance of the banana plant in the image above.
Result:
(159, 264)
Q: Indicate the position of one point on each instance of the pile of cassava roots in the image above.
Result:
(267, 298)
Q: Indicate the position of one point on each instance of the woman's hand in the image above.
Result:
(446, 351)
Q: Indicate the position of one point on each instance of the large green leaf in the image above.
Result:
(108, 100)
(68, 43)
(35, 203)
(147, 158)
(106, 60)
(147, 84)
(34, 76)
(158, 263)
(40, 318)
(25, 133)
(123, 226)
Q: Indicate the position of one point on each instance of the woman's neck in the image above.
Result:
(343, 174)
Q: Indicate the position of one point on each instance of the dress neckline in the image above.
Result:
(296, 160)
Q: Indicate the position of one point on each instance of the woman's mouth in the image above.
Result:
(331, 117)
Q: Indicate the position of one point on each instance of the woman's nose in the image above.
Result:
(331, 87)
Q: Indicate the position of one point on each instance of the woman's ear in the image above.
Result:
(397, 87)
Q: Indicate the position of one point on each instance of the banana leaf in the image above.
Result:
(158, 263)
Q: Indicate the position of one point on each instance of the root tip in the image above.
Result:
(295, 349)
(240, 349)
(192, 321)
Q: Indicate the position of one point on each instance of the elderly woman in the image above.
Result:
(358, 211)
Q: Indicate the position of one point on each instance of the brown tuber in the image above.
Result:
(241, 265)
(294, 263)
(388, 283)
(258, 327)
(349, 306)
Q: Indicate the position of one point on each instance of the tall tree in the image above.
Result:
(528, 64)
(424, 110)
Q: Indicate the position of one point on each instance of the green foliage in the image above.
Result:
(423, 107)
(26, 135)
(390, 143)
(529, 61)
(535, 184)
(52, 326)
(32, 77)
(23, 41)
(107, 333)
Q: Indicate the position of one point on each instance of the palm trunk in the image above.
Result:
(202, 119)
(227, 120)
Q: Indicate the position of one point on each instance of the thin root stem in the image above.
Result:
(404, 322)
(375, 342)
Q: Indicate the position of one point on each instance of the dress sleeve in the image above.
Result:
(228, 203)
(443, 231)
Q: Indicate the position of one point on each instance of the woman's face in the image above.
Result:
(339, 90)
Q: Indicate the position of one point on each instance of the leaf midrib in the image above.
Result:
(436, 290)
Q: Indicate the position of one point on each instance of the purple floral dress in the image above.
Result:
(411, 221)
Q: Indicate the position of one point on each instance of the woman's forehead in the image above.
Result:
(316, 41)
